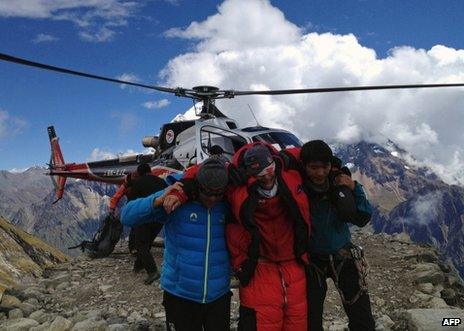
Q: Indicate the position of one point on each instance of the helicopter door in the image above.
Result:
(208, 136)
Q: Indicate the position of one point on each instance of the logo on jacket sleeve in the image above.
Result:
(193, 217)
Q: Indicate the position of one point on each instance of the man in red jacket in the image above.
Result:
(268, 243)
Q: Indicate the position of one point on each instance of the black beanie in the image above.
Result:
(256, 159)
(212, 174)
(143, 169)
(316, 150)
(336, 162)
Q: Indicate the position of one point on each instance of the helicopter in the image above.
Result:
(183, 143)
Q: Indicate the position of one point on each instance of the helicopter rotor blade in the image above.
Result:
(198, 94)
(228, 94)
(9, 58)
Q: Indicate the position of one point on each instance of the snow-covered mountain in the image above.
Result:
(410, 199)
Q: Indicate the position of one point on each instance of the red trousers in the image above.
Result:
(275, 299)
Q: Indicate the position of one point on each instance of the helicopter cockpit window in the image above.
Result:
(279, 140)
(229, 141)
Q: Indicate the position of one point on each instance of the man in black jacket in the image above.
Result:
(144, 185)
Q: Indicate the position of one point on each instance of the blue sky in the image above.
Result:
(113, 38)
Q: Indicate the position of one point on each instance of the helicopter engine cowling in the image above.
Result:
(150, 141)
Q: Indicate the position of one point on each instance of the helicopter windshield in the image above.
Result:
(279, 140)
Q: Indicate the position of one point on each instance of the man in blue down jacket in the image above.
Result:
(196, 272)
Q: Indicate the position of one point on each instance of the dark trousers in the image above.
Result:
(132, 240)
(359, 313)
(186, 315)
(143, 237)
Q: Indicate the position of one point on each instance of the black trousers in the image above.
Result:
(143, 237)
(359, 313)
(186, 315)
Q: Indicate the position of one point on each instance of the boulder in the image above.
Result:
(34, 293)
(426, 288)
(15, 313)
(425, 267)
(437, 303)
(39, 316)
(96, 314)
(429, 276)
(10, 302)
(20, 324)
(428, 256)
(61, 324)
(134, 317)
(118, 327)
(42, 327)
(422, 296)
(32, 301)
(90, 325)
(430, 319)
(337, 326)
(384, 323)
(27, 308)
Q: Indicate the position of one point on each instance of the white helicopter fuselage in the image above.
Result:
(191, 146)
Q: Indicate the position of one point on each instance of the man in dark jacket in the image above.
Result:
(336, 200)
(144, 185)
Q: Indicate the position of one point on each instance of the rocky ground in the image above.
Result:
(410, 290)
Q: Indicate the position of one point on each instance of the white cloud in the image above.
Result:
(248, 44)
(96, 20)
(10, 125)
(128, 77)
(43, 38)
(424, 209)
(99, 35)
(98, 154)
(220, 32)
(156, 104)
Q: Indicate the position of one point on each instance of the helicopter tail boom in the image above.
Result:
(56, 163)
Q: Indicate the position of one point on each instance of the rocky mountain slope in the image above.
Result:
(23, 256)
(27, 200)
(410, 199)
(410, 290)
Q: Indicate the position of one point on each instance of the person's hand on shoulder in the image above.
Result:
(169, 200)
(343, 179)
(171, 203)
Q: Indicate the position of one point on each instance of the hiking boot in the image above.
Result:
(152, 276)
(137, 269)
